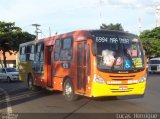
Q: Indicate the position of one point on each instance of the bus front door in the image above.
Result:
(81, 67)
(48, 71)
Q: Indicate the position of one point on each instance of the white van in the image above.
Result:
(154, 65)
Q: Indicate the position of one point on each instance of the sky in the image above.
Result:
(61, 16)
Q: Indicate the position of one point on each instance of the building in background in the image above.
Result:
(10, 59)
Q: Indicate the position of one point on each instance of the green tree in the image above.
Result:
(112, 27)
(10, 38)
(151, 42)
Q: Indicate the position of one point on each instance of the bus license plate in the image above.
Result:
(123, 87)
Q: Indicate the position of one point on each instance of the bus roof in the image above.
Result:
(112, 32)
(93, 32)
(27, 43)
(80, 33)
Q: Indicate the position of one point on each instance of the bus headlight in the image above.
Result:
(142, 79)
(98, 79)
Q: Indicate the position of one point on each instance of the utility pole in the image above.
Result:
(49, 31)
(139, 24)
(37, 29)
(1, 60)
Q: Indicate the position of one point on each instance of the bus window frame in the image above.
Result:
(39, 63)
(29, 52)
(41, 50)
(59, 49)
(65, 50)
(23, 54)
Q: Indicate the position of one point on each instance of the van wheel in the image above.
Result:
(30, 84)
(68, 91)
(8, 79)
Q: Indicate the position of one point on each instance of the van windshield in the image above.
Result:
(116, 53)
(154, 62)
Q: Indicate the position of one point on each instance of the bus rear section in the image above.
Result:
(25, 59)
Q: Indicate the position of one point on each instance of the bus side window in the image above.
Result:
(57, 49)
(31, 57)
(66, 51)
(23, 54)
(40, 52)
(79, 60)
(37, 54)
(30, 53)
(39, 57)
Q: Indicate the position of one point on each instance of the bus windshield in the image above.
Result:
(117, 53)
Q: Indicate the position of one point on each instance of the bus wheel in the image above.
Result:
(68, 91)
(30, 84)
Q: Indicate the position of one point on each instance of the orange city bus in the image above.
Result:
(91, 63)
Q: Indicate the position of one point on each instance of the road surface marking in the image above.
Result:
(7, 98)
(21, 96)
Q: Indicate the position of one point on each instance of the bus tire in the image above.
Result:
(31, 86)
(68, 91)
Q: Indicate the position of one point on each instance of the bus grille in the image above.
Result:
(118, 90)
(153, 67)
(130, 77)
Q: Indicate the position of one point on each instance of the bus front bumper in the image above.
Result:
(99, 90)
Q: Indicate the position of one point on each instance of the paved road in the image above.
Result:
(21, 100)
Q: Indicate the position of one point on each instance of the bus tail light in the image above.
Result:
(142, 79)
(98, 79)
